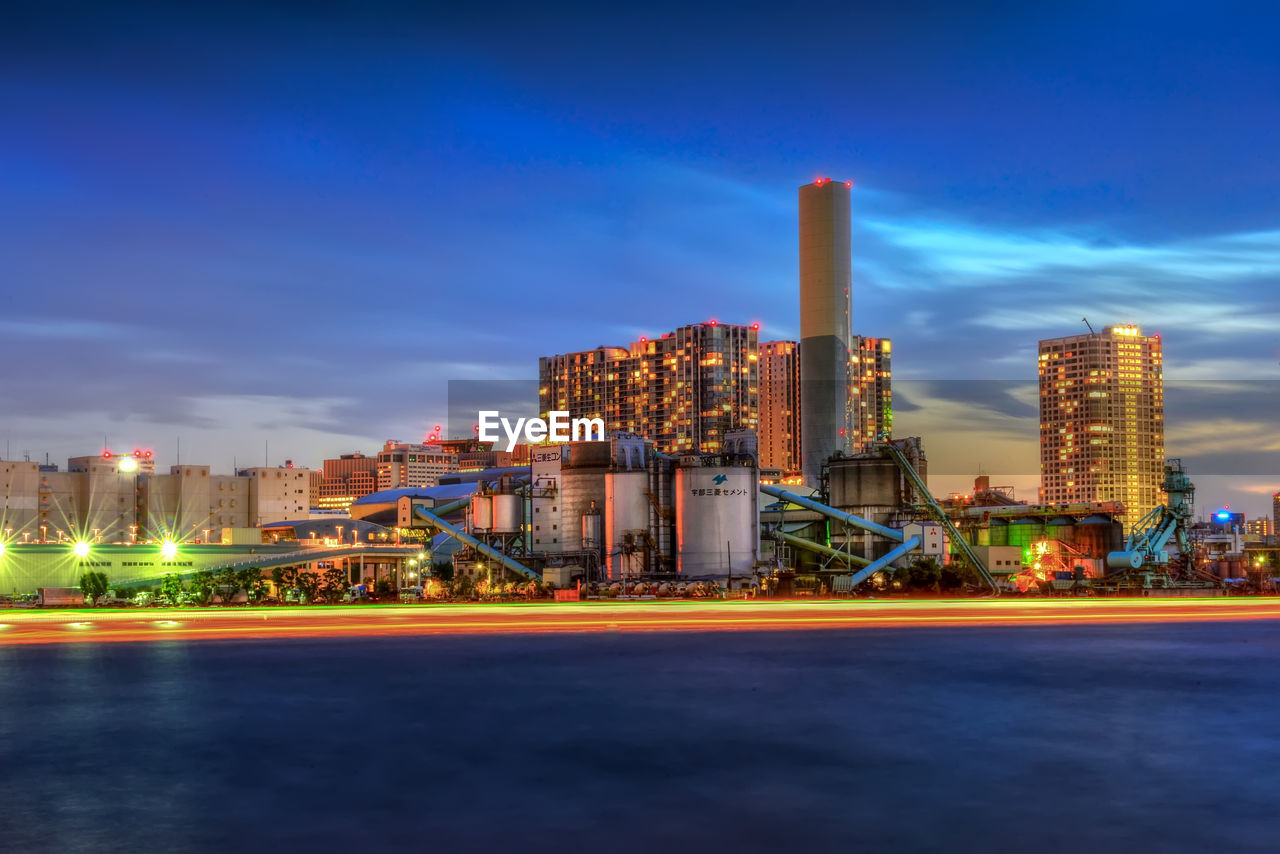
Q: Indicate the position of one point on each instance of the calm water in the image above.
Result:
(1098, 739)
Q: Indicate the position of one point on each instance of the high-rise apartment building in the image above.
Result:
(826, 363)
(684, 390)
(871, 399)
(779, 432)
(1275, 512)
(872, 393)
(1102, 419)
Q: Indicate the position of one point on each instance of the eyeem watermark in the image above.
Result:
(559, 427)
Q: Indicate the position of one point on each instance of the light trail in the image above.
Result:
(144, 625)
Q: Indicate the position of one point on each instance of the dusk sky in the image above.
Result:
(237, 226)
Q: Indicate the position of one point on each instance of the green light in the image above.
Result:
(81, 549)
(168, 550)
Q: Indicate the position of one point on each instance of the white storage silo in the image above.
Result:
(717, 526)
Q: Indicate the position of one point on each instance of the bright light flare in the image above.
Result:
(128, 465)
(168, 550)
(81, 549)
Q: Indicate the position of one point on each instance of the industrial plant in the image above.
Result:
(731, 467)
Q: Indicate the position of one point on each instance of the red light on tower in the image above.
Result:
(755, 327)
(713, 323)
(848, 183)
(106, 455)
(147, 454)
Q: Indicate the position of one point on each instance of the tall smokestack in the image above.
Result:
(826, 260)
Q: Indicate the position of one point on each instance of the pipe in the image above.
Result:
(880, 563)
(940, 514)
(484, 549)
(819, 547)
(840, 515)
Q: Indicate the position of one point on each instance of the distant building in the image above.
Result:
(346, 478)
(871, 395)
(1260, 528)
(779, 430)
(97, 501)
(403, 464)
(1102, 420)
(138, 461)
(1275, 513)
(684, 390)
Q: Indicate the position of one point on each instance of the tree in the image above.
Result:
(252, 582)
(462, 587)
(228, 582)
(284, 578)
(202, 584)
(333, 584)
(172, 589)
(443, 570)
(308, 583)
(382, 588)
(93, 585)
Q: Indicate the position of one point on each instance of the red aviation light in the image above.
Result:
(712, 322)
(848, 183)
(147, 454)
(755, 327)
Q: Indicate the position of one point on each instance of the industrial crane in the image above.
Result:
(1147, 544)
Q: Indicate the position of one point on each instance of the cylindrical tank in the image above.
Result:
(1094, 536)
(481, 513)
(1025, 531)
(1062, 529)
(508, 514)
(1124, 560)
(626, 512)
(579, 488)
(591, 527)
(996, 533)
(717, 528)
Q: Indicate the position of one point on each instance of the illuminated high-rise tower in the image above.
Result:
(826, 378)
(1102, 420)
(779, 431)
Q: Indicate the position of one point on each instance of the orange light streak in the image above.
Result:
(90, 626)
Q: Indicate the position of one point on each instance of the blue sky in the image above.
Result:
(238, 225)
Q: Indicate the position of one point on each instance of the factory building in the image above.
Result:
(1102, 420)
(103, 501)
(779, 430)
(685, 390)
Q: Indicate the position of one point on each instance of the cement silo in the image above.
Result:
(481, 513)
(627, 522)
(508, 513)
(717, 527)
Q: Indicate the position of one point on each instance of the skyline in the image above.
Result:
(328, 193)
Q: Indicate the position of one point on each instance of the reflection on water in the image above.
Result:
(1106, 738)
